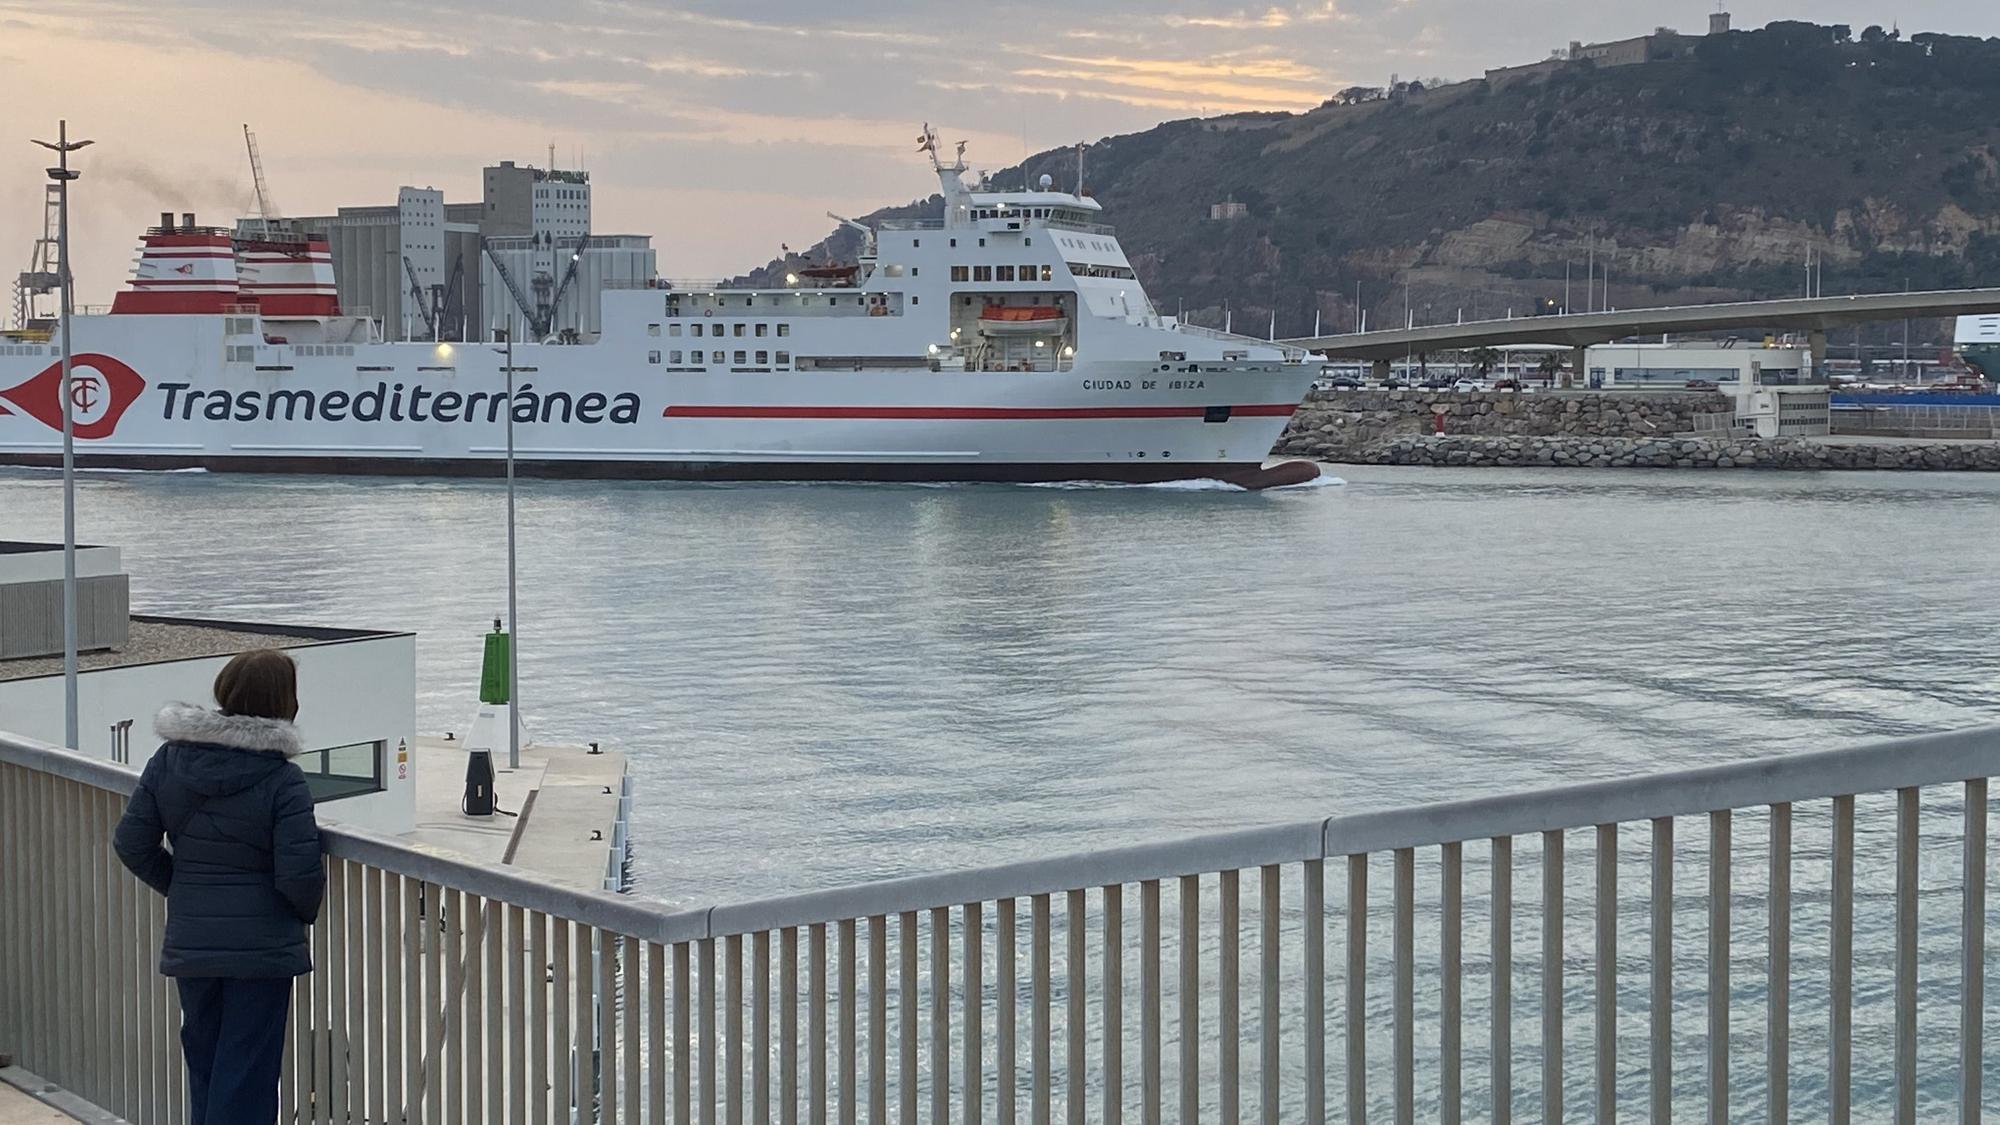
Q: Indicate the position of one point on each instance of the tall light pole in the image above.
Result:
(513, 619)
(62, 146)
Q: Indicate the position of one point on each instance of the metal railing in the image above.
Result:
(446, 991)
(1918, 420)
(1292, 352)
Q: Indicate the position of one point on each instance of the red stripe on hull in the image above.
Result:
(972, 413)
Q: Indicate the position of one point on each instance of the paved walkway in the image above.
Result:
(17, 1108)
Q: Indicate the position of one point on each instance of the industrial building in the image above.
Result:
(524, 255)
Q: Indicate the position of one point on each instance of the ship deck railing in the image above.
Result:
(1291, 352)
(1777, 937)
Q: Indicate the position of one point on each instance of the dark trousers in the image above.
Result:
(233, 1035)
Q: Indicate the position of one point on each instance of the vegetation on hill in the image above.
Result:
(1695, 178)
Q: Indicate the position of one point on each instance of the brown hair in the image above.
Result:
(262, 683)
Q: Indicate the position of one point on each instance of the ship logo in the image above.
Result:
(101, 388)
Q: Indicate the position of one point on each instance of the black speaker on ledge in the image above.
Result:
(478, 784)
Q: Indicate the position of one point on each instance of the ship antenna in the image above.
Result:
(1079, 169)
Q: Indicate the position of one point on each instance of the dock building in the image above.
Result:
(357, 687)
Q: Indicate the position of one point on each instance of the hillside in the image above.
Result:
(1698, 177)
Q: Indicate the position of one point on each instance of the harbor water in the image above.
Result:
(819, 685)
(830, 683)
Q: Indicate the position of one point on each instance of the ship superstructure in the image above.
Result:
(1978, 342)
(1007, 339)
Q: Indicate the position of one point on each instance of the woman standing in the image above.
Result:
(243, 879)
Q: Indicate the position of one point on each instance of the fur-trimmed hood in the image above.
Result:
(183, 722)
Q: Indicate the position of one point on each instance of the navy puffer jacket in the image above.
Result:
(244, 877)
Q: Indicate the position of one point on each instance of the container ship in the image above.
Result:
(1006, 340)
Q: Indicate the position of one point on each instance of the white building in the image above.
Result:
(1777, 391)
(1674, 366)
(357, 688)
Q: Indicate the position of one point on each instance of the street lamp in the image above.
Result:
(513, 624)
(62, 146)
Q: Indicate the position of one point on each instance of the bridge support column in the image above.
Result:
(1379, 370)
(1817, 338)
(1578, 374)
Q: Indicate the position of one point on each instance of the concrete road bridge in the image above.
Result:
(1577, 331)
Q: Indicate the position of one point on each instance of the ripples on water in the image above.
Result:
(824, 684)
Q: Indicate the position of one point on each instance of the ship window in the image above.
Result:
(763, 358)
(652, 357)
(915, 242)
(674, 357)
(784, 358)
(739, 358)
(961, 273)
(954, 243)
(982, 273)
(784, 329)
(673, 329)
(762, 328)
(1048, 273)
(1003, 273)
(913, 271)
(652, 330)
(716, 357)
(739, 328)
(915, 300)
(982, 242)
(1027, 242)
(1028, 272)
(694, 329)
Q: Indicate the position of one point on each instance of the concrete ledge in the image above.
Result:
(27, 1098)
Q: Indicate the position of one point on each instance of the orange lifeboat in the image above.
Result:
(1022, 320)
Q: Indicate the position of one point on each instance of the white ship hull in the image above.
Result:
(1007, 339)
(158, 392)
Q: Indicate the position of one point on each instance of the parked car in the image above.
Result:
(1507, 385)
(1394, 383)
(1701, 385)
(1465, 385)
(1437, 383)
(1340, 383)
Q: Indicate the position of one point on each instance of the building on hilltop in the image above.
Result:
(1662, 45)
(1227, 209)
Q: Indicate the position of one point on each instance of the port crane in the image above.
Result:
(541, 311)
(267, 211)
(431, 305)
(43, 275)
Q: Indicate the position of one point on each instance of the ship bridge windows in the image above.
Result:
(961, 273)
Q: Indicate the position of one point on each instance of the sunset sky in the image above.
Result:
(720, 129)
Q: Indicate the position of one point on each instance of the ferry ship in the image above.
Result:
(1006, 340)
(1978, 343)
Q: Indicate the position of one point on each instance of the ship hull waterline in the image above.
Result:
(1280, 474)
